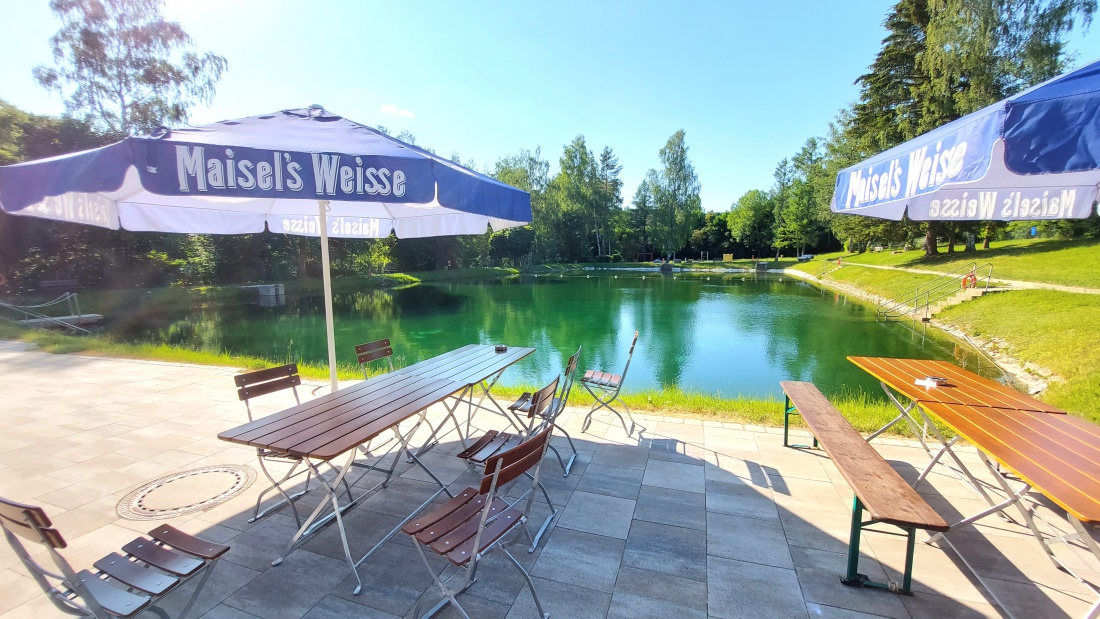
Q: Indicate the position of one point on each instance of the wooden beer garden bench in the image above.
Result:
(878, 488)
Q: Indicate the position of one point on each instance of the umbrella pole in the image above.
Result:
(322, 208)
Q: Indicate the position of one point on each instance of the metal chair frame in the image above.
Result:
(263, 382)
(550, 415)
(605, 388)
(495, 443)
(120, 580)
(503, 468)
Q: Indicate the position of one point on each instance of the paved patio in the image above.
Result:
(697, 519)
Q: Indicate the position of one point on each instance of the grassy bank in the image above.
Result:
(1054, 330)
(1069, 263)
(890, 284)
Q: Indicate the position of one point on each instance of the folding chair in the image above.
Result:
(494, 443)
(121, 585)
(550, 414)
(263, 382)
(605, 387)
(372, 351)
(476, 521)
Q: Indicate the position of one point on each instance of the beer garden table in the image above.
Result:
(346, 421)
(1047, 449)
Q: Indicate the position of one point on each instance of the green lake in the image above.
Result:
(721, 333)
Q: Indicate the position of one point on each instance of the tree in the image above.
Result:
(528, 171)
(713, 237)
(751, 220)
(123, 67)
(642, 214)
(677, 206)
(609, 196)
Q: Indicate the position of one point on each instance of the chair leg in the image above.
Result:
(611, 396)
(448, 595)
(530, 583)
(568, 465)
(198, 589)
(277, 485)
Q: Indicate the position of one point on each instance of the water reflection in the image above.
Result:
(725, 334)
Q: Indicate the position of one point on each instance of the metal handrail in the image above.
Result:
(949, 284)
(29, 314)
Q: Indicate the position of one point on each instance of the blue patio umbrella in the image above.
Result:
(1035, 155)
(305, 171)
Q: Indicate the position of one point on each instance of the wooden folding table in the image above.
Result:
(1047, 449)
(347, 420)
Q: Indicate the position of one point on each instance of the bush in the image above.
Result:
(616, 258)
(603, 259)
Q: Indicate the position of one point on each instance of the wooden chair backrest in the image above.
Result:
(263, 382)
(27, 521)
(542, 399)
(371, 351)
(570, 372)
(516, 461)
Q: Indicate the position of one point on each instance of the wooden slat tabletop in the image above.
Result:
(963, 386)
(1059, 455)
(332, 424)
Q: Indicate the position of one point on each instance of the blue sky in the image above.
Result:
(747, 81)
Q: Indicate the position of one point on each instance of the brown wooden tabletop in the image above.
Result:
(963, 386)
(1058, 455)
(332, 424)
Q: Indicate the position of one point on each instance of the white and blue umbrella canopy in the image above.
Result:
(240, 176)
(305, 171)
(1035, 155)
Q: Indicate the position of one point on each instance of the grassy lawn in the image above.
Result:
(1069, 263)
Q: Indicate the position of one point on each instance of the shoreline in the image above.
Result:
(1035, 378)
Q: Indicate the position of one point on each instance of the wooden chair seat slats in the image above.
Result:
(478, 445)
(493, 531)
(423, 521)
(502, 442)
(448, 523)
(113, 599)
(136, 575)
(171, 536)
(148, 551)
(522, 403)
(462, 526)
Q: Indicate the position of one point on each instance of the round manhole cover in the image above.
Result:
(187, 492)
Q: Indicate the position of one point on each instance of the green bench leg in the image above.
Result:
(854, 579)
(789, 410)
